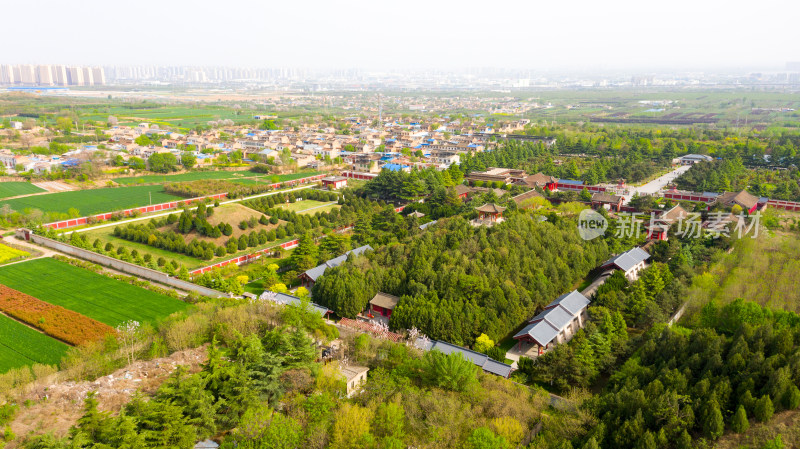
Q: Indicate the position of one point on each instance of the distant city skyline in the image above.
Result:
(578, 36)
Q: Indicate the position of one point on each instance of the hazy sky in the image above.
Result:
(598, 35)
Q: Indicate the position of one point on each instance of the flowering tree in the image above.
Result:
(127, 336)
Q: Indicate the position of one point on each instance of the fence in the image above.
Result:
(359, 175)
(72, 222)
(120, 265)
(246, 258)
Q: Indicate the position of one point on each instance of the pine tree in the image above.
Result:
(713, 425)
(764, 409)
(739, 423)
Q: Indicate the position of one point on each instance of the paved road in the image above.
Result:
(657, 184)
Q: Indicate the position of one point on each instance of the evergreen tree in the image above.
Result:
(739, 423)
(764, 409)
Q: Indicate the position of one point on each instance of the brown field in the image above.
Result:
(55, 321)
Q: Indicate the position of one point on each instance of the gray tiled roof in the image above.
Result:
(319, 270)
(545, 326)
(479, 359)
(430, 223)
(628, 259)
(282, 298)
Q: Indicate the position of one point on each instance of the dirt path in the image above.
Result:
(56, 406)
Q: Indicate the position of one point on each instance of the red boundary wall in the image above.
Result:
(785, 205)
(72, 222)
(579, 188)
(246, 258)
(359, 175)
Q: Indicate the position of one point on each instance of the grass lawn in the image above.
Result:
(14, 188)
(94, 295)
(299, 206)
(23, 346)
(93, 201)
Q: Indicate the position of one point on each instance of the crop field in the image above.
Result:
(93, 201)
(8, 253)
(247, 177)
(22, 346)
(96, 296)
(55, 321)
(9, 189)
(168, 115)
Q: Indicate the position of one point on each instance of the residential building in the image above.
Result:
(355, 376)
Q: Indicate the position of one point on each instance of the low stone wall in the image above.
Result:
(125, 267)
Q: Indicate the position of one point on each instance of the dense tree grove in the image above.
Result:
(731, 175)
(739, 361)
(457, 281)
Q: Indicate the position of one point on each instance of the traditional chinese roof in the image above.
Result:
(743, 198)
(606, 198)
(628, 259)
(384, 300)
(676, 213)
(317, 271)
(282, 298)
(481, 360)
(545, 327)
(527, 195)
(491, 208)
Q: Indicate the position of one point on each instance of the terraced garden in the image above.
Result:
(22, 346)
(99, 297)
(14, 188)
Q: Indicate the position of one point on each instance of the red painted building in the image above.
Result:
(382, 304)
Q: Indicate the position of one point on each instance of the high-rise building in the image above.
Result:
(44, 75)
(99, 76)
(75, 76)
(7, 75)
(27, 74)
(88, 76)
(60, 75)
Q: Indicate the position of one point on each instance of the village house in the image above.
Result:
(355, 377)
(556, 324)
(631, 262)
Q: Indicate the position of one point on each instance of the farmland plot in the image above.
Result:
(96, 296)
(23, 346)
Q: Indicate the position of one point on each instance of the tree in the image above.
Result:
(739, 423)
(484, 438)
(304, 256)
(143, 141)
(713, 425)
(585, 196)
(188, 160)
(791, 398)
(764, 409)
(452, 372)
(162, 162)
(136, 163)
(351, 429)
(483, 343)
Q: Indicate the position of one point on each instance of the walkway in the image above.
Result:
(657, 184)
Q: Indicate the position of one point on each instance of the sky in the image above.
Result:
(553, 35)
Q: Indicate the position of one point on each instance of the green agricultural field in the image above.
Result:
(246, 177)
(93, 201)
(9, 189)
(22, 346)
(94, 295)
